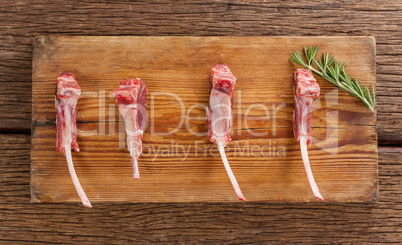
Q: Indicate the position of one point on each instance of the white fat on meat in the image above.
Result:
(220, 118)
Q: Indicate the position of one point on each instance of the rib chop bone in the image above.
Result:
(67, 94)
(131, 97)
(219, 115)
(306, 89)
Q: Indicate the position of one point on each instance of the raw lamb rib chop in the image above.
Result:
(306, 89)
(131, 97)
(67, 94)
(219, 115)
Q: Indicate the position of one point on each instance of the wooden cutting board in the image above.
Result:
(179, 164)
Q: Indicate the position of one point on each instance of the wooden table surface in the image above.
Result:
(194, 223)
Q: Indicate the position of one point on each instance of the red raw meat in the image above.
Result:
(131, 98)
(219, 116)
(67, 94)
(306, 89)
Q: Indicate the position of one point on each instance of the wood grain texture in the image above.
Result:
(195, 223)
(224, 223)
(182, 165)
(15, 114)
(21, 21)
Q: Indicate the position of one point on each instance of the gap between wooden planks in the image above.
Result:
(179, 164)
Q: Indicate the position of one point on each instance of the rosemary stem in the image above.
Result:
(334, 72)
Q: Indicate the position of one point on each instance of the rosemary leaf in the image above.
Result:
(334, 71)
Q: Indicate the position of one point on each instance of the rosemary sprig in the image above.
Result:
(333, 71)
